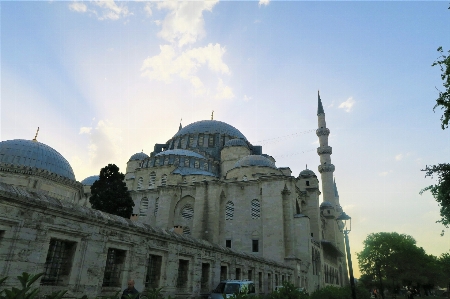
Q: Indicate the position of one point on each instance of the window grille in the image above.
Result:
(166, 161)
(58, 263)
(157, 162)
(229, 211)
(153, 271)
(200, 140)
(186, 162)
(211, 141)
(205, 166)
(156, 206)
(191, 141)
(177, 161)
(193, 180)
(143, 207)
(196, 164)
(152, 182)
(139, 185)
(164, 180)
(186, 230)
(183, 268)
(256, 209)
(113, 269)
(187, 212)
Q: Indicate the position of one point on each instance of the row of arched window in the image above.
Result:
(152, 181)
(255, 209)
(331, 275)
(143, 208)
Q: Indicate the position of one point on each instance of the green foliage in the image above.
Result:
(288, 291)
(332, 292)
(57, 295)
(440, 191)
(131, 296)
(154, 293)
(443, 100)
(26, 280)
(110, 193)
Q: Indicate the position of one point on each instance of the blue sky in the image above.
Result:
(104, 80)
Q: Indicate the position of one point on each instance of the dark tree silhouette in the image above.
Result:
(110, 194)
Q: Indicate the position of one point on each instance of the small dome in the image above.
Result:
(89, 181)
(29, 153)
(235, 142)
(326, 205)
(210, 127)
(307, 173)
(138, 156)
(255, 160)
(180, 152)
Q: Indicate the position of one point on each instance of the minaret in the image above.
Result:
(326, 169)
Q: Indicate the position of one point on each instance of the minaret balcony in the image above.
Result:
(322, 132)
(324, 150)
(326, 168)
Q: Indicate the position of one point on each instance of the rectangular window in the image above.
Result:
(307, 183)
(183, 270)
(205, 276)
(255, 245)
(114, 264)
(238, 273)
(269, 283)
(153, 271)
(58, 262)
(200, 140)
(250, 275)
(211, 141)
(223, 272)
(276, 279)
(260, 282)
(228, 243)
(282, 279)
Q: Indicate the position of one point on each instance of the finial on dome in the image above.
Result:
(180, 126)
(212, 115)
(35, 136)
(306, 166)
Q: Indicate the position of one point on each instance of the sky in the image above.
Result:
(104, 80)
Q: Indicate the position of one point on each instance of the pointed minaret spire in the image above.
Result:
(319, 104)
(180, 127)
(336, 194)
(212, 115)
(35, 136)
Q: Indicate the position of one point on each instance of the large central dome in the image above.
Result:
(30, 153)
(210, 127)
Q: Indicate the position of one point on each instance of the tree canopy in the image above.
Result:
(110, 193)
(443, 100)
(400, 260)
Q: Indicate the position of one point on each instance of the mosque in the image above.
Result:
(209, 205)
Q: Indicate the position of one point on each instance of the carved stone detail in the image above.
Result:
(322, 131)
(326, 168)
(324, 150)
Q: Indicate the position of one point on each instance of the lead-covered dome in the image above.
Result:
(29, 153)
(235, 142)
(307, 173)
(255, 160)
(138, 156)
(89, 181)
(210, 127)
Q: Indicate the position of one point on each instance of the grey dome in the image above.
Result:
(180, 152)
(326, 204)
(138, 156)
(235, 142)
(210, 127)
(89, 181)
(307, 173)
(255, 160)
(28, 153)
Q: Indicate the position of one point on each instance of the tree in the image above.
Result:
(443, 99)
(444, 262)
(110, 194)
(401, 261)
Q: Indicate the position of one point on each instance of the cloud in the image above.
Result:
(184, 24)
(347, 105)
(385, 173)
(148, 9)
(223, 92)
(263, 2)
(78, 6)
(399, 157)
(170, 62)
(107, 9)
(105, 143)
(247, 98)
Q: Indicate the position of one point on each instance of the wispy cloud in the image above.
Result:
(385, 173)
(399, 157)
(78, 6)
(347, 105)
(223, 91)
(247, 98)
(263, 2)
(103, 10)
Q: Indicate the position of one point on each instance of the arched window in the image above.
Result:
(164, 180)
(244, 178)
(187, 212)
(186, 162)
(143, 207)
(256, 209)
(152, 181)
(186, 230)
(166, 161)
(196, 164)
(139, 183)
(156, 207)
(193, 179)
(205, 166)
(229, 210)
(184, 180)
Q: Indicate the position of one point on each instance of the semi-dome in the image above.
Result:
(89, 181)
(235, 142)
(138, 156)
(210, 127)
(255, 160)
(29, 153)
(180, 152)
(326, 204)
(307, 173)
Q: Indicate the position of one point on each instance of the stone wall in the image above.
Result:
(90, 252)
